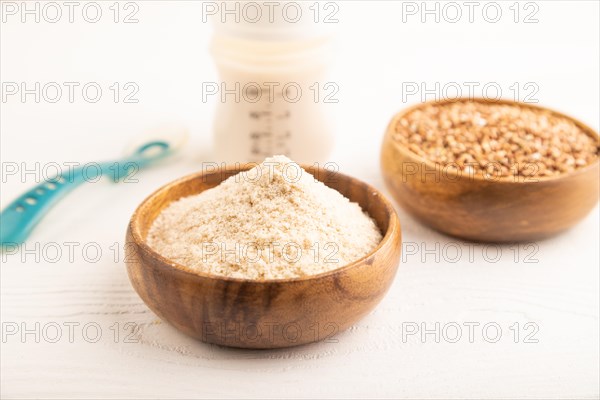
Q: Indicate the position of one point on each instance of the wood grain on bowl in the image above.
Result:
(262, 314)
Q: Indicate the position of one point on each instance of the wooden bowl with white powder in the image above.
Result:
(232, 265)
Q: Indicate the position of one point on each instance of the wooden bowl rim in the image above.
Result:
(476, 177)
(393, 229)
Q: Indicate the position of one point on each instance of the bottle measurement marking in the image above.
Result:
(265, 140)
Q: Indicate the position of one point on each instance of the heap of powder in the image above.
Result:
(273, 221)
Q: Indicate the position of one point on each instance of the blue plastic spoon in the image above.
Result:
(20, 217)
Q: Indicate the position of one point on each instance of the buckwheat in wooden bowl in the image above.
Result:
(492, 171)
(262, 313)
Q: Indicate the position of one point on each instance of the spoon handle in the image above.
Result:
(19, 218)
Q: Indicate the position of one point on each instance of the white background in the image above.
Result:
(165, 54)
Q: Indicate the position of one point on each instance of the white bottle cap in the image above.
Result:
(270, 21)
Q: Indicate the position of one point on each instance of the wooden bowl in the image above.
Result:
(262, 314)
(483, 209)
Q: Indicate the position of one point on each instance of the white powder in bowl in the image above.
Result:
(273, 221)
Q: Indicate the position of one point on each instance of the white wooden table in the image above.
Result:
(72, 326)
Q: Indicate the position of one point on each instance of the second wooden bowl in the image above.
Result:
(489, 210)
(262, 314)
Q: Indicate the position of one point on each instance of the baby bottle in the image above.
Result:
(273, 98)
